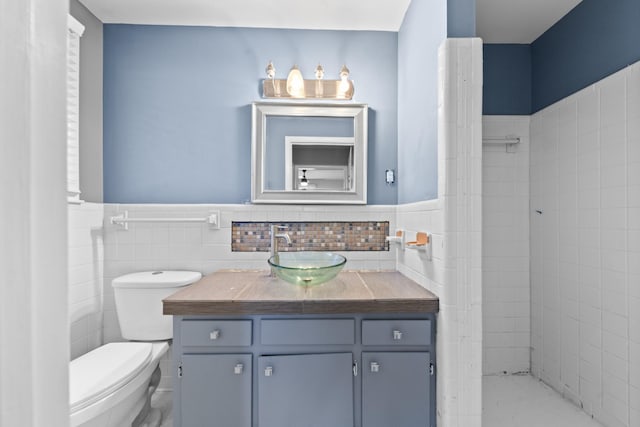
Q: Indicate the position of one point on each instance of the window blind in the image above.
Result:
(75, 30)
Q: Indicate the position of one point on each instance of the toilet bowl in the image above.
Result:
(109, 385)
(112, 385)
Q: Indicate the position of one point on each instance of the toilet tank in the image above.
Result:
(138, 298)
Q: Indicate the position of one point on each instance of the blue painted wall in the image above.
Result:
(507, 79)
(423, 30)
(596, 39)
(461, 18)
(177, 114)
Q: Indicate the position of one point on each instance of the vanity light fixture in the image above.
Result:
(295, 86)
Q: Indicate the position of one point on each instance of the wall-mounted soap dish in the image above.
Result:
(422, 243)
(398, 238)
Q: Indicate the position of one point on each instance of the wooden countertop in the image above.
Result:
(230, 292)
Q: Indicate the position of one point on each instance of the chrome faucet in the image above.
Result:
(275, 236)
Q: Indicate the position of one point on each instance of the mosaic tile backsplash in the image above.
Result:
(312, 236)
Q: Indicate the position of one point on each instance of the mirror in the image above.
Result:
(309, 153)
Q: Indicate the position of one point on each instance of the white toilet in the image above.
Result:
(111, 386)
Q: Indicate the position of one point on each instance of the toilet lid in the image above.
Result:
(98, 373)
(156, 279)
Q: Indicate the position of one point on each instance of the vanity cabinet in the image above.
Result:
(216, 390)
(356, 370)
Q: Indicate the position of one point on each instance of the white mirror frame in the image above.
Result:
(262, 110)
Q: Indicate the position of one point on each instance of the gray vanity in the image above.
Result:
(252, 350)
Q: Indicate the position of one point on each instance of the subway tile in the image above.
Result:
(614, 260)
(633, 91)
(634, 285)
(633, 259)
(634, 367)
(616, 388)
(614, 154)
(613, 99)
(633, 216)
(614, 196)
(588, 110)
(633, 137)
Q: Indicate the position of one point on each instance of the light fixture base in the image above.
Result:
(313, 89)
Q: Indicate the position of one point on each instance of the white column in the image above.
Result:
(34, 342)
(460, 189)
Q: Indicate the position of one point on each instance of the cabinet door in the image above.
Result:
(395, 389)
(311, 390)
(216, 390)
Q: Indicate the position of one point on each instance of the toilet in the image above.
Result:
(112, 385)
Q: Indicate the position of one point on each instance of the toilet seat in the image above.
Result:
(98, 373)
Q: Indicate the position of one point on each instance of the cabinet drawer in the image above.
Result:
(216, 333)
(308, 332)
(396, 332)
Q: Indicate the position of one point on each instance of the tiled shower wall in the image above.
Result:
(154, 246)
(585, 247)
(505, 247)
(86, 263)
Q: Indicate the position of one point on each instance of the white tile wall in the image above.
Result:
(585, 274)
(86, 263)
(505, 247)
(157, 246)
(454, 220)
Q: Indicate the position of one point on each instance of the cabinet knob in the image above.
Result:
(238, 369)
(215, 334)
(268, 371)
(375, 367)
(397, 335)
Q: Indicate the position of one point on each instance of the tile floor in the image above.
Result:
(509, 401)
(523, 401)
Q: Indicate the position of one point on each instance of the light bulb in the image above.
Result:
(344, 73)
(295, 83)
(319, 84)
(270, 70)
(344, 85)
(343, 88)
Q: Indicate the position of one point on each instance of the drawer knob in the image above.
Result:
(375, 367)
(397, 335)
(215, 334)
(238, 369)
(268, 371)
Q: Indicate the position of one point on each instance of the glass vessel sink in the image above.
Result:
(306, 268)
